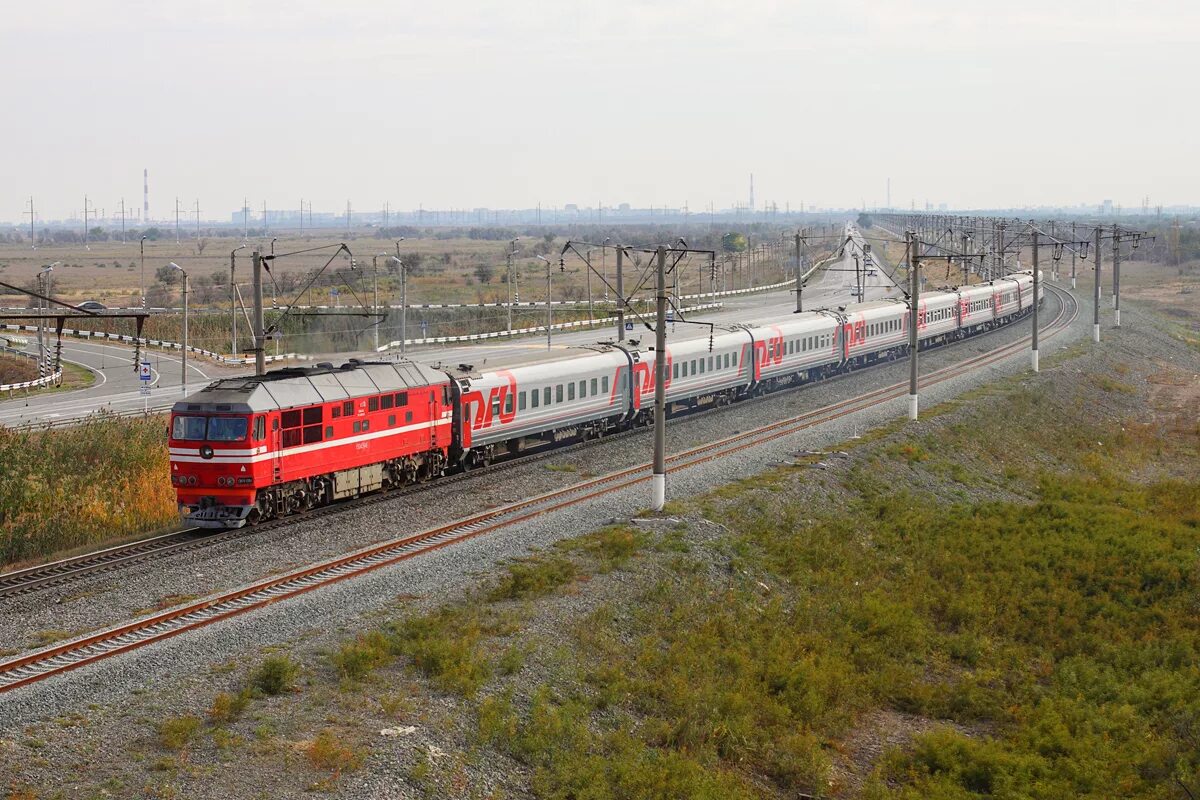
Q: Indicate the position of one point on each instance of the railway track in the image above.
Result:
(61, 658)
(62, 572)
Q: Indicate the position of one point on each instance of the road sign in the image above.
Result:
(144, 371)
(670, 315)
(144, 391)
(276, 335)
(628, 326)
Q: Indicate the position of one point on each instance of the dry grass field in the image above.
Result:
(443, 270)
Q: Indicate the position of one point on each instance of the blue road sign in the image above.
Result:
(628, 326)
(144, 371)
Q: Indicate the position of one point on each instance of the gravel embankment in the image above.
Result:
(320, 618)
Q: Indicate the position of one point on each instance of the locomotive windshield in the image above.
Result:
(213, 429)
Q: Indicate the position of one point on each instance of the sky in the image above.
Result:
(511, 103)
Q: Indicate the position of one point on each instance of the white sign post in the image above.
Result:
(144, 375)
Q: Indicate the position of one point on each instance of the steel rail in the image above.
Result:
(65, 570)
(64, 657)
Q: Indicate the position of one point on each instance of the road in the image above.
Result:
(117, 387)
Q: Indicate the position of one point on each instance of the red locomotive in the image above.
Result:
(253, 448)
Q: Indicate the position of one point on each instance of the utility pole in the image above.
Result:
(1096, 295)
(260, 350)
(32, 235)
(233, 343)
(301, 217)
(800, 276)
(245, 222)
(659, 479)
(1074, 239)
(85, 227)
(508, 256)
(196, 206)
(620, 295)
(176, 220)
(403, 296)
(1036, 286)
(914, 297)
(1117, 274)
(122, 220)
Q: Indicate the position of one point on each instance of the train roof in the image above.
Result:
(303, 386)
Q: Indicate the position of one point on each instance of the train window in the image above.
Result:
(275, 424)
(357, 427)
(675, 370)
(386, 401)
(373, 404)
(227, 429)
(571, 390)
(594, 392)
(391, 420)
(348, 408)
(260, 428)
(508, 403)
(401, 399)
(521, 401)
(495, 406)
(189, 428)
(558, 393)
(546, 395)
(734, 359)
(408, 416)
(727, 361)
(693, 367)
(604, 384)
(582, 389)
(291, 419)
(535, 396)
(335, 412)
(683, 369)
(702, 366)
(312, 415)
(710, 363)
(291, 437)
(328, 431)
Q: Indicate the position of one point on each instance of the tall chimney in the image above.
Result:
(145, 197)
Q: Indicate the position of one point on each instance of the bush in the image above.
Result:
(354, 660)
(227, 707)
(445, 646)
(275, 675)
(177, 732)
(329, 753)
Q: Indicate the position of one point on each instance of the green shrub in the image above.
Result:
(445, 646)
(355, 660)
(328, 752)
(228, 707)
(177, 732)
(275, 675)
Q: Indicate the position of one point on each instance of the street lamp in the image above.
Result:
(183, 359)
(43, 277)
(604, 264)
(375, 293)
(403, 296)
(508, 257)
(549, 305)
(142, 248)
(233, 300)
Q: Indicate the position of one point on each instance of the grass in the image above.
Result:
(51, 499)
(328, 752)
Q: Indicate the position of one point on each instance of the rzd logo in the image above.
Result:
(768, 352)
(498, 405)
(643, 378)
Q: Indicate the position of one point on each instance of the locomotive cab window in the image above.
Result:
(401, 399)
(385, 402)
(348, 408)
(260, 428)
(373, 404)
(189, 428)
(227, 429)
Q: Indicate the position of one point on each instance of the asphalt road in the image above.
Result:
(117, 387)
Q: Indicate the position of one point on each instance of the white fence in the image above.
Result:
(42, 381)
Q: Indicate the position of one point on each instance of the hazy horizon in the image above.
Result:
(505, 105)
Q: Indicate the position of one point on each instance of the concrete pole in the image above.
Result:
(184, 351)
(549, 305)
(1096, 296)
(1073, 248)
(591, 313)
(799, 278)
(659, 479)
(260, 350)
(914, 294)
(233, 343)
(374, 299)
(620, 295)
(1036, 286)
(508, 266)
(1116, 297)
(403, 305)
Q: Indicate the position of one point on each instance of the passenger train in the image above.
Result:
(254, 448)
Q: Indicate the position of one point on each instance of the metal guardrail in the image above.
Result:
(36, 382)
